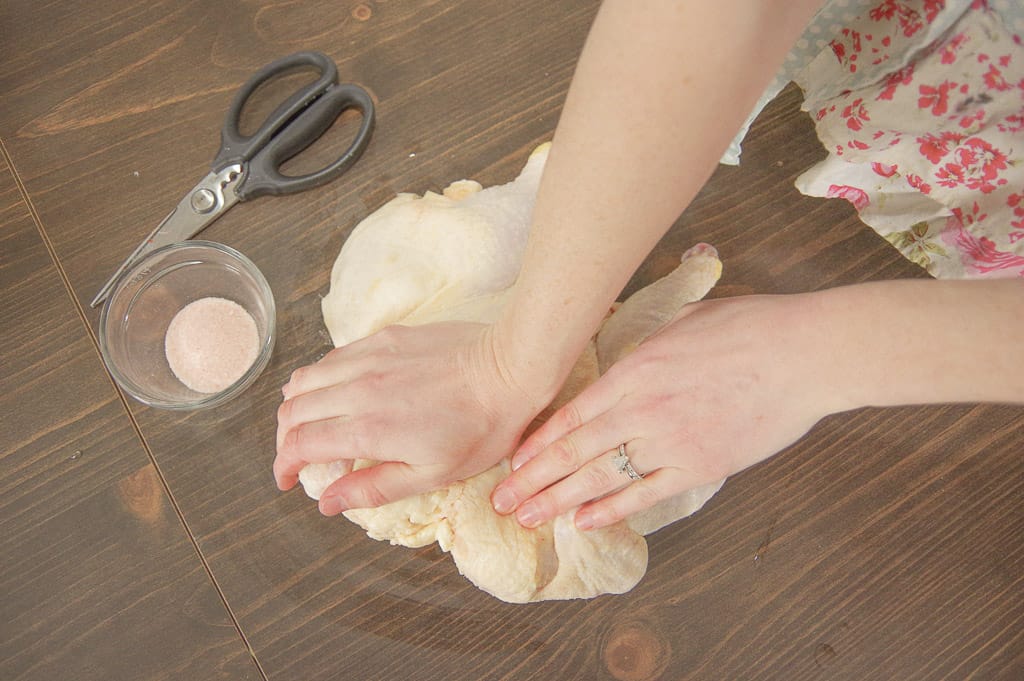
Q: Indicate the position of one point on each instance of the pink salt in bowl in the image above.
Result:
(189, 326)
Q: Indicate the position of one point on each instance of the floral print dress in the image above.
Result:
(920, 104)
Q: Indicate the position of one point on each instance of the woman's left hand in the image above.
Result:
(728, 383)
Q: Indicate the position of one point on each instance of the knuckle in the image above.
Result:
(390, 336)
(621, 371)
(565, 453)
(285, 411)
(546, 505)
(298, 377)
(371, 381)
(292, 439)
(713, 468)
(704, 462)
(527, 481)
(531, 479)
(368, 495)
(358, 436)
(650, 359)
(570, 416)
(365, 382)
(654, 402)
(333, 354)
(606, 511)
(646, 494)
(599, 479)
(286, 463)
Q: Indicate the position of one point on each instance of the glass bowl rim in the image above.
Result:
(259, 364)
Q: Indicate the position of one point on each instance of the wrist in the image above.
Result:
(804, 337)
(923, 341)
(535, 375)
(840, 360)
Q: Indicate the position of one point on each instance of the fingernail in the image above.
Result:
(518, 459)
(331, 505)
(504, 500)
(585, 521)
(284, 389)
(528, 515)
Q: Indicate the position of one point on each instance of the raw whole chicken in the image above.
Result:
(455, 257)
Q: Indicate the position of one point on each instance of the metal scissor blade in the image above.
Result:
(206, 202)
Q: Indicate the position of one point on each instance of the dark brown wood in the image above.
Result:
(99, 578)
(886, 544)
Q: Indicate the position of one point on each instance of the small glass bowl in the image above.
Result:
(140, 307)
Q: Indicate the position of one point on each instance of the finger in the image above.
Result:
(315, 405)
(596, 399)
(561, 423)
(377, 485)
(596, 479)
(639, 495)
(320, 442)
(562, 457)
(337, 366)
(345, 363)
(326, 371)
(340, 365)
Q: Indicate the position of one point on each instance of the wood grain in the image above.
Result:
(886, 544)
(99, 579)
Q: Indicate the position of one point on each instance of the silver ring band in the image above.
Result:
(623, 465)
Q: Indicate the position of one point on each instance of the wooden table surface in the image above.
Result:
(145, 544)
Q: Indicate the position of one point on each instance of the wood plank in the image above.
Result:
(887, 544)
(99, 579)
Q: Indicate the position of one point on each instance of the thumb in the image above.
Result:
(375, 486)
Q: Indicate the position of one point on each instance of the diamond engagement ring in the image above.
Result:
(623, 465)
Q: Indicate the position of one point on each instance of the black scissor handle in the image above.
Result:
(263, 175)
(295, 124)
(236, 147)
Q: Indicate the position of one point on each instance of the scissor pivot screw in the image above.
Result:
(203, 201)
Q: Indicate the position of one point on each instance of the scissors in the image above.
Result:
(248, 166)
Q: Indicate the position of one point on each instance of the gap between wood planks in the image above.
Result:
(37, 221)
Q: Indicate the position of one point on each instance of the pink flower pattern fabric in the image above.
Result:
(920, 104)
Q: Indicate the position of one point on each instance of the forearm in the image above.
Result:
(923, 342)
(659, 91)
